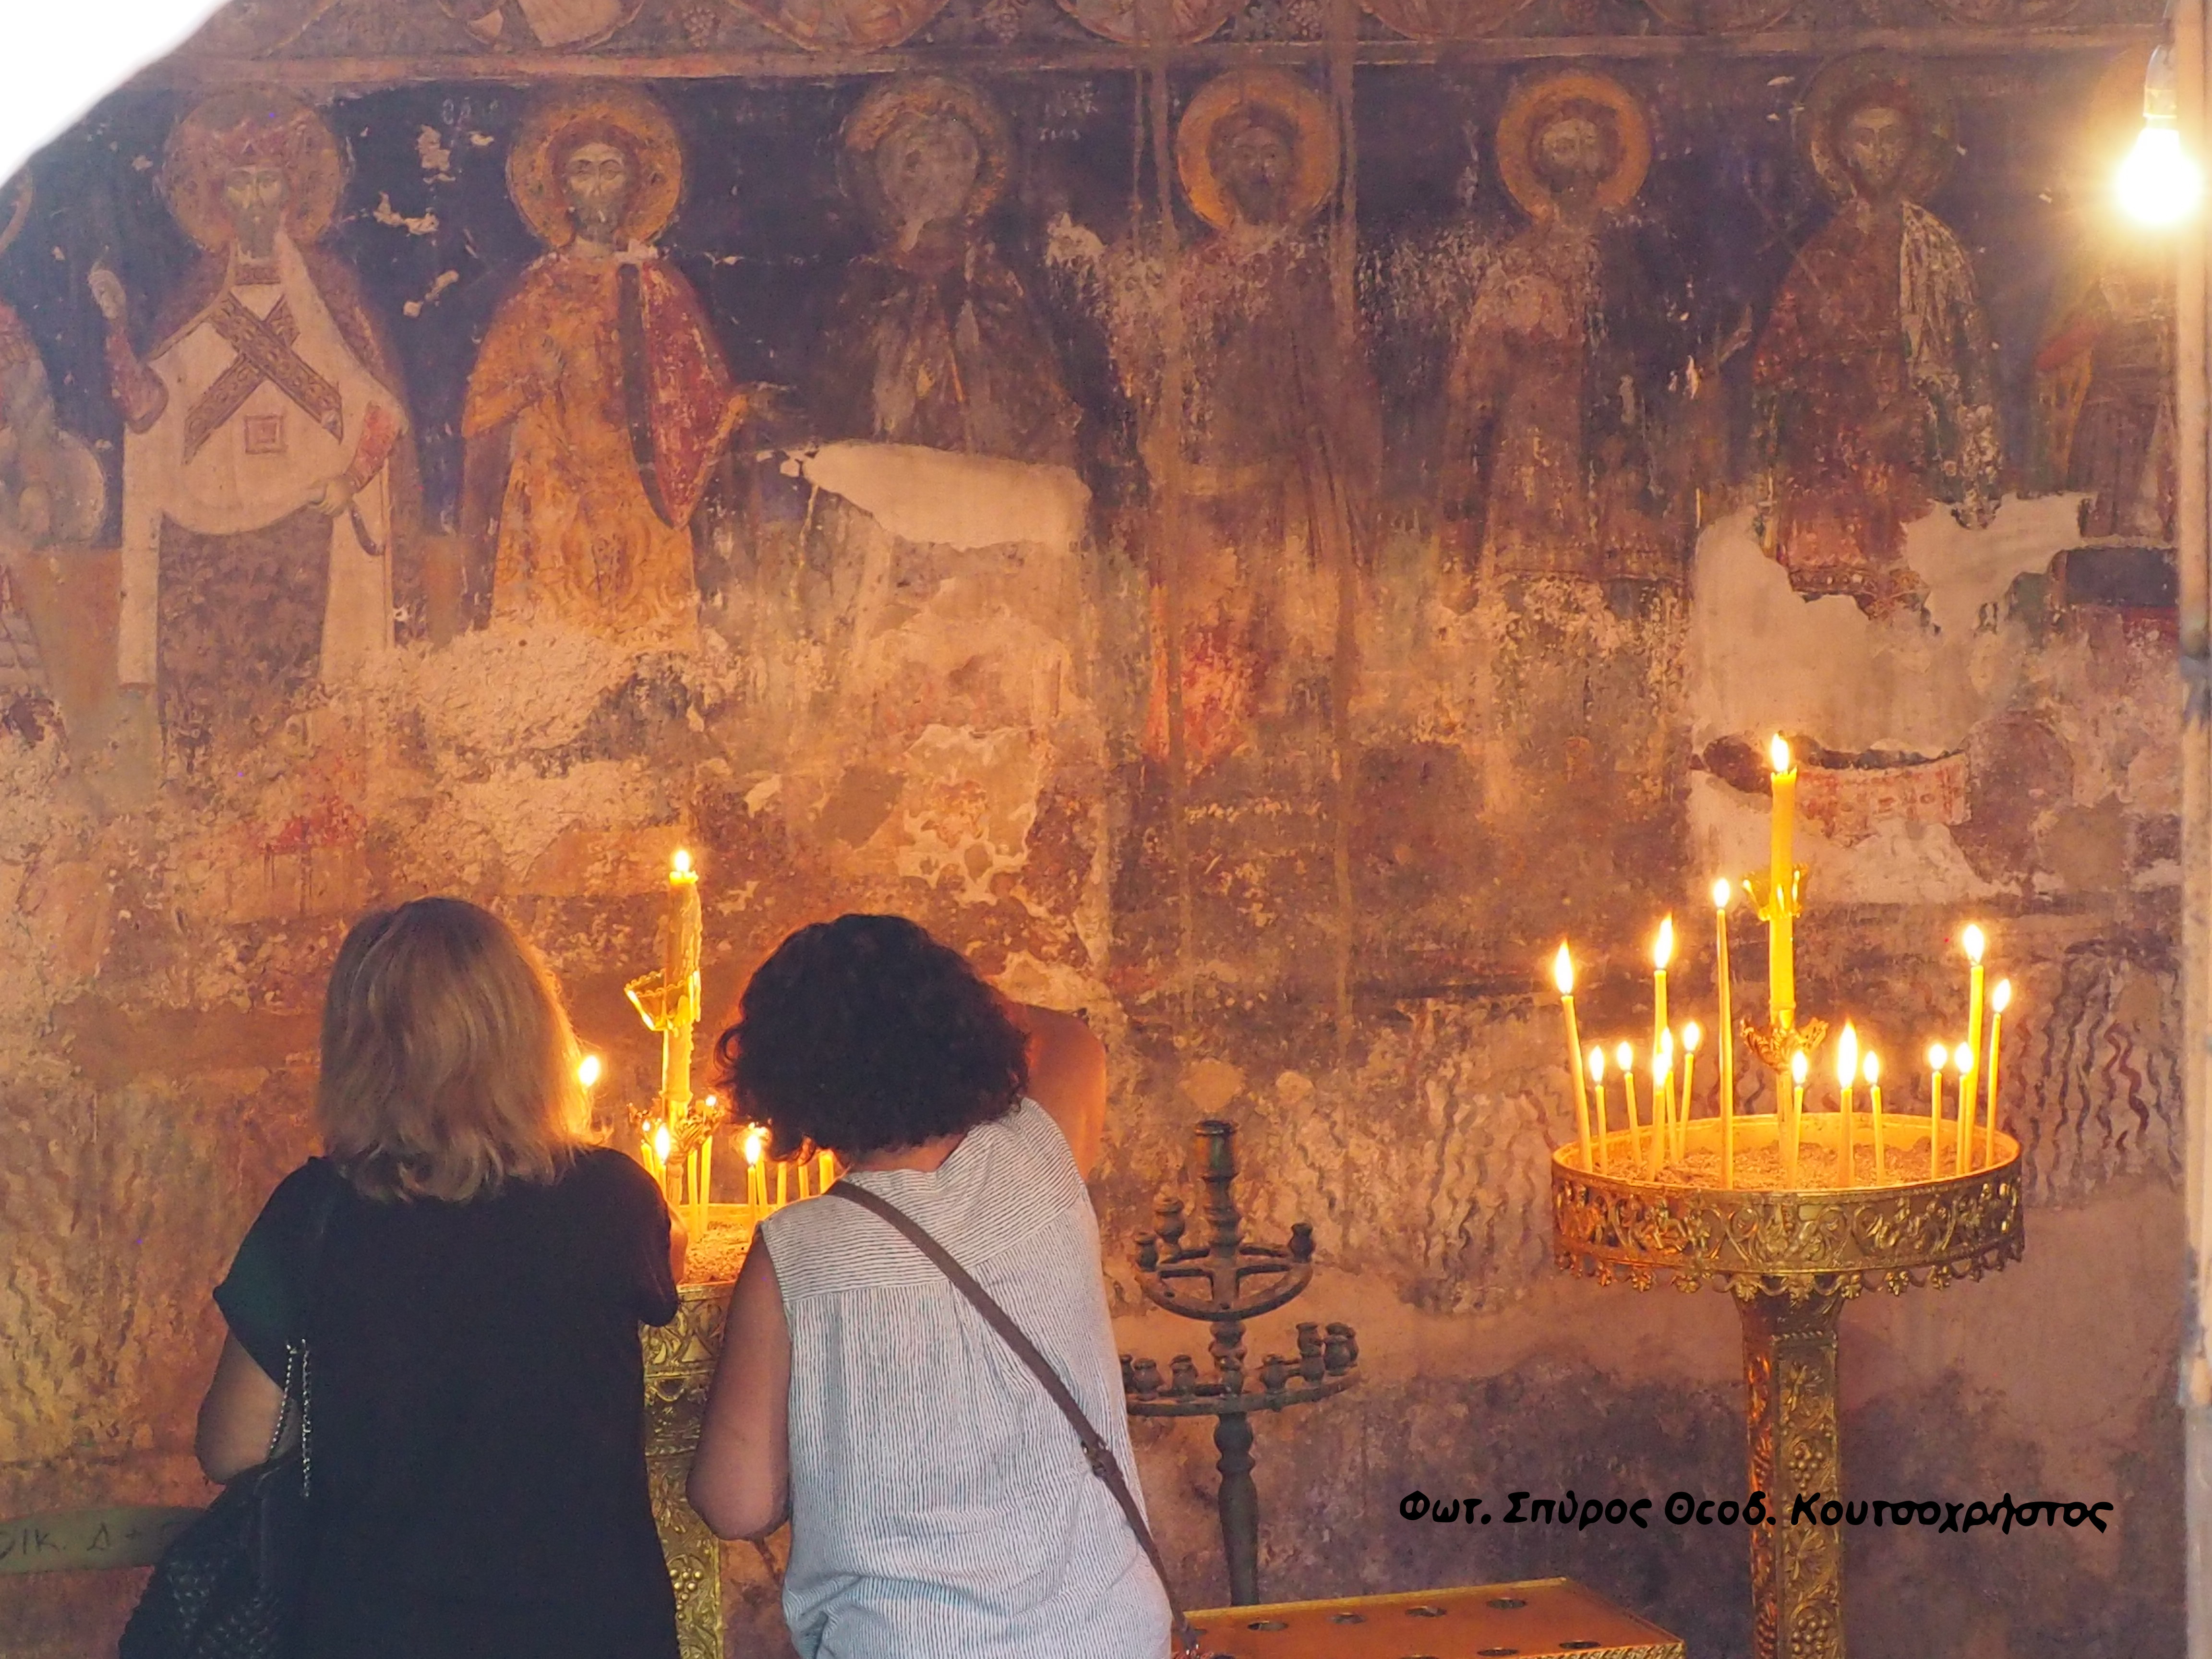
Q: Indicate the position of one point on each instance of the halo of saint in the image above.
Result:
(1616, 112)
(203, 150)
(628, 120)
(1274, 98)
(1868, 79)
(1127, 22)
(841, 25)
(1443, 20)
(925, 98)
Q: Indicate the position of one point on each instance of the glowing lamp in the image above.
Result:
(2159, 183)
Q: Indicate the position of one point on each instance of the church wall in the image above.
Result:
(1284, 729)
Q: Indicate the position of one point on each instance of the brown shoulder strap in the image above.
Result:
(1103, 1463)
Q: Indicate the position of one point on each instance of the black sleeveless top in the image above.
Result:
(477, 1411)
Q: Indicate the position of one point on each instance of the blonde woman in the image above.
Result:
(467, 1274)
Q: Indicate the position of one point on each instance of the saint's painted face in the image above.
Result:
(596, 179)
(1571, 154)
(256, 194)
(1875, 143)
(926, 167)
(1257, 164)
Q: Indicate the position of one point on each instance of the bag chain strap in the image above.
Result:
(1096, 1452)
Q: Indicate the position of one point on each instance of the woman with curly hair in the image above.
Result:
(939, 1502)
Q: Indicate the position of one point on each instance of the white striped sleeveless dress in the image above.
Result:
(941, 1507)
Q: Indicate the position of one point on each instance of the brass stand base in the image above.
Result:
(679, 1363)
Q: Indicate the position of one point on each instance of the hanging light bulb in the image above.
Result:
(2159, 183)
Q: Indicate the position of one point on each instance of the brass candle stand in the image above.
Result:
(1226, 1281)
(1791, 1257)
(679, 1366)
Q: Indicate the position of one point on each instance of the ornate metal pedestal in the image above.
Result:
(1226, 1281)
(679, 1363)
(1791, 1259)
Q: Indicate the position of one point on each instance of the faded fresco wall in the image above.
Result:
(1254, 542)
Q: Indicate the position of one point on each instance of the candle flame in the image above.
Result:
(1938, 1057)
(1691, 1036)
(1723, 890)
(2001, 998)
(587, 1070)
(1975, 943)
(1666, 1044)
(1962, 1059)
(1597, 1065)
(1563, 971)
(1778, 753)
(1847, 1055)
(1662, 948)
(1662, 1061)
(1872, 1069)
(756, 1140)
(661, 1143)
(681, 865)
(1624, 1057)
(1798, 1066)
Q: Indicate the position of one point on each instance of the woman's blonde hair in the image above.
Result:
(449, 1064)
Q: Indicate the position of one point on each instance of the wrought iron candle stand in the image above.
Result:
(1226, 1281)
(1792, 1257)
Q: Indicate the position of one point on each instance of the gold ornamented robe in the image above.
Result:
(598, 408)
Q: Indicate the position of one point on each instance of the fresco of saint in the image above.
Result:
(270, 494)
(600, 404)
(1279, 430)
(1572, 374)
(2103, 392)
(1873, 381)
(933, 340)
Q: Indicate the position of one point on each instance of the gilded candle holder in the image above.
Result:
(1791, 1257)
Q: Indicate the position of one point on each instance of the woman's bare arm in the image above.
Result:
(238, 1416)
(1067, 1076)
(741, 1479)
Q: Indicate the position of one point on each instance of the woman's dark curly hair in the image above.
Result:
(865, 1035)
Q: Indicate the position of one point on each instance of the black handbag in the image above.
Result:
(230, 1585)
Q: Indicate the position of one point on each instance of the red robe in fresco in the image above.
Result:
(601, 404)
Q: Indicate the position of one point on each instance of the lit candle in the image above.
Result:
(828, 1174)
(1723, 892)
(679, 980)
(1662, 1067)
(588, 1073)
(1962, 1062)
(1972, 942)
(1873, 1070)
(756, 1177)
(1799, 1066)
(1597, 1082)
(1691, 1036)
(1938, 1058)
(1662, 952)
(1847, 1075)
(1563, 976)
(1782, 877)
(2000, 999)
(660, 1147)
(1624, 1060)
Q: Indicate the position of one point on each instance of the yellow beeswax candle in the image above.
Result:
(2000, 999)
(1799, 1066)
(1938, 1058)
(1847, 1076)
(1962, 1062)
(1873, 1073)
(1662, 1071)
(1723, 890)
(1973, 942)
(1782, 876)
(1597, 1083)
(1623, 1061)
(828, 1174)
(660, 1149)
(1562, 977)
(1662, 952)
(1692, 1035)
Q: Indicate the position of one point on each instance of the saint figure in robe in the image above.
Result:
(269, 494)
(932, 340)
(600, 403)
(1874, 379)
(1572, 381)
(2103, 392)
(1275, 441)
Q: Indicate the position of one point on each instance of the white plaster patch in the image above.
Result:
(1899, 863)
(967, 501)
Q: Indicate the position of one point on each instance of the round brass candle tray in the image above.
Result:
(1621, 1221)
(1792, 1253)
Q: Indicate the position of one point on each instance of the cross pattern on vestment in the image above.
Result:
(265, 357)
